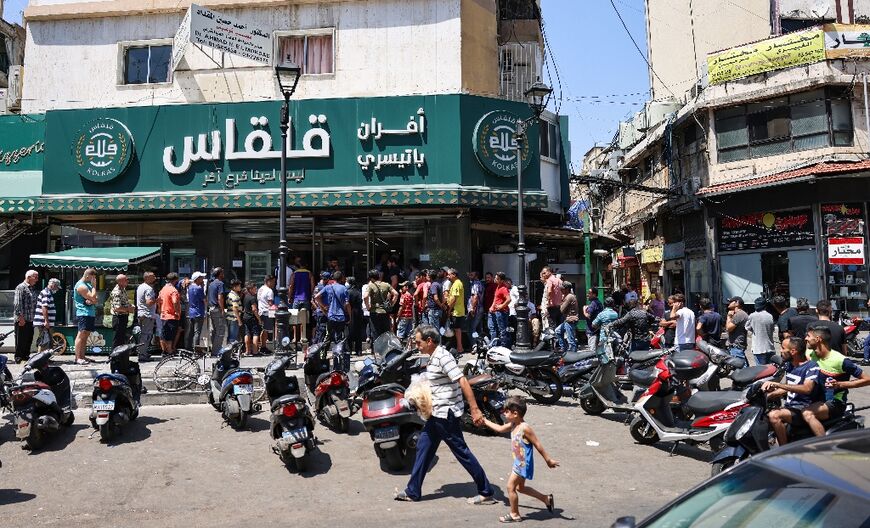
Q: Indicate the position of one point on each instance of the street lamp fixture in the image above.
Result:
(288, 77)
(537, 96)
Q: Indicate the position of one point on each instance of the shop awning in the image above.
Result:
(115, 258)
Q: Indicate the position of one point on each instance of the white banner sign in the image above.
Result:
(182, 37)
(226, 34)
(846, 250)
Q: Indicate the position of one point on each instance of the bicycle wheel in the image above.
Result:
(259, 386)
(176, 373)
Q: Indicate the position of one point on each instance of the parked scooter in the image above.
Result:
(41, 400)
(290, 421)
(851, 327)
(750, 433)
(724, 365)
(394, 427)
(713, 410)
(330, 387)
(116, 395)
(490, 400)
(232, 388)
(532, 372)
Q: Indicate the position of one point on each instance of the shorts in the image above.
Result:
(253, 328)
(836, 409)
(458, 322)
(86, 323)
(170, 328)
(301, 305)
(268, 323)
(797, 415)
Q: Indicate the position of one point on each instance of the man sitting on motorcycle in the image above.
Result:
(800, 388)
(835, 372)
(639, 322)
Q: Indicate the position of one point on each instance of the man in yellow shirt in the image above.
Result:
(456, 300)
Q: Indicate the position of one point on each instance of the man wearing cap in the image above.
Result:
(121, 309)
(735, 326)
(195, 310)
(761, 324)
(44, 317)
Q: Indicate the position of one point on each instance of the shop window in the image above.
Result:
(147, 64)
(549, 140)
(650, 228)
(846, 278)
(313, 52)
(804, 121)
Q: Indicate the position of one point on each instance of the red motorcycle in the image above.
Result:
(851, 327)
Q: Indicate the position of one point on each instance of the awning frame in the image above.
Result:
(60, 261)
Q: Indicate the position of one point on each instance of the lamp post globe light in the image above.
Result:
(537, 96)
(288, 77)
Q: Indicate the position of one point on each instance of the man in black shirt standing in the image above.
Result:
(797, 325)
(251, 318)
(838, 336)
(786, 312)
(709, 325)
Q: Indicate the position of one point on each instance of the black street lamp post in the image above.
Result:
(537, 96)
(288, 78)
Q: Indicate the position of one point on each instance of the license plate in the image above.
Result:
(296, 435)
(243, 389)
(104, 405)
(387, 433)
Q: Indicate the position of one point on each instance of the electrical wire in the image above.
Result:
(637, 47)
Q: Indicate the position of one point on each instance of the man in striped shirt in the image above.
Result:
(448, 387)
(44, 316)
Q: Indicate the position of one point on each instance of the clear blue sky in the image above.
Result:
(594, 56)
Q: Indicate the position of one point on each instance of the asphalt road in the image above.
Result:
(178, 466)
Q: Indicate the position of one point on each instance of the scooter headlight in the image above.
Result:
(746, 426)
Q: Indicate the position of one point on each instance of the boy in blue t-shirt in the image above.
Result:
(800, 390)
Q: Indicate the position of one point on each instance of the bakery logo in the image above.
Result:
(495, 144)
(103, 150)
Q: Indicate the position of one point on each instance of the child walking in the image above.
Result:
(523, 438)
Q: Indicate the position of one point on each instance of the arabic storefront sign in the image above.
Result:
(103, 150)
(847, 40)
(495, 144)
(652, 255)
(227, 34)
(843, 219)
(768, 230)
(331, 143)
(846, 251)
(22, 143)
(794, 49)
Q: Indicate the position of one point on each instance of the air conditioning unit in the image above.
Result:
(16, 83)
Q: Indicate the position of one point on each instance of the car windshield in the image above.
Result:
(754, 496)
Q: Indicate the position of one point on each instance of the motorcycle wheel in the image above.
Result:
(36, 439)
(592, 405)
(721, 466)
(394, 459)
(107, 432)
(69, 420)
(213, 403)
(343, 424)
(240, 421)
(642, 432)
(550, 378)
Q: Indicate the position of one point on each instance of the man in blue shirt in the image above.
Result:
(195, 310)
(217, 310)
(800, 389)
(590, 312)
(333, 301)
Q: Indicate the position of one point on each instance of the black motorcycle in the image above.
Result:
(490, 400)
(41, 400)
(290, 421)
(330, 387)
(751, 434)
(116, 396)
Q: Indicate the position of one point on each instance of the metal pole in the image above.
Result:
(866, 111)
(282, 314)
(523, 337)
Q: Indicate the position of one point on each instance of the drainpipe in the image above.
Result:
(866, 111)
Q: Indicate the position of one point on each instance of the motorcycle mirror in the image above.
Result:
(285, 341)
(136, 330)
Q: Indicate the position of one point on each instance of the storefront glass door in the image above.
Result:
(803, 275)
(741, 276)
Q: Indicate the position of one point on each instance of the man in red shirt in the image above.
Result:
(551, 303)
(169, 304)
(499, 310)
(421, 293)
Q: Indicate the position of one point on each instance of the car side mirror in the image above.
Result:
(624, 522)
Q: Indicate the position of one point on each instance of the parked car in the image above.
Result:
(816, 482)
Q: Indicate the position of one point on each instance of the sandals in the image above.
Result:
(509, 519)
(480, 500)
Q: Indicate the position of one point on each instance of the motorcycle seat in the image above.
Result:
(747, 375)
(481, 379)
(531, 359)
(285, 399)
(641, 356)
(709, 402)
(574, 357)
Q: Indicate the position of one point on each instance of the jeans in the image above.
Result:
(686, 346)
(763, 359)
(475, 323)
(867, 348)
(433, 317)
(319, 328)
(405, 327)
(119, 325)
(335, 330)
(218, 321)
(232, 330)
(193, 336)
(146, 337)
(738, 353)
(591, 340)
(498, 328)
(565, 333)
(450, 431)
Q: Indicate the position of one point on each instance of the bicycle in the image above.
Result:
(181, 371)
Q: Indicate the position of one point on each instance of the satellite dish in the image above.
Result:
(821, 8)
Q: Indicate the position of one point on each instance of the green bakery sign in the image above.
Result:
(355, 143)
